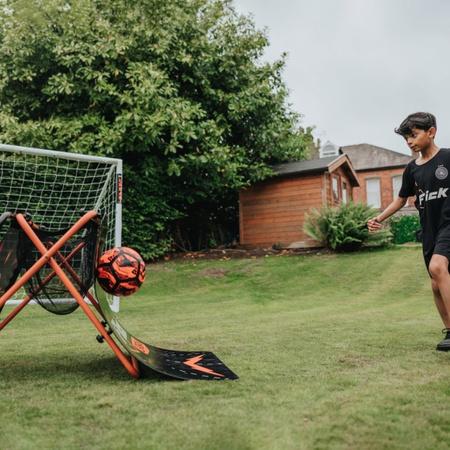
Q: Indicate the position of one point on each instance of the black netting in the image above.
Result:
(11, 253)
(76, 257)
(46, 288)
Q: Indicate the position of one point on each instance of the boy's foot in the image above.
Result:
(444, 345)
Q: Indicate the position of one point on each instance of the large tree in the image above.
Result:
(176, 88)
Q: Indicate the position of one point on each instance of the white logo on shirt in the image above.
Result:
(426, 196)
(441, 173)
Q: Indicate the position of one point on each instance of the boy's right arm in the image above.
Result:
(374, 224)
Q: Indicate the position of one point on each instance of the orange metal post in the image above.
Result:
(48, 257)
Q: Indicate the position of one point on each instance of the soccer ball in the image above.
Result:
(120, 271)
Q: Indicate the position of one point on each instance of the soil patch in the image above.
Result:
(236, 253)
(214, 272)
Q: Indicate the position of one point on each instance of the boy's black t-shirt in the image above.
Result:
(430, 183)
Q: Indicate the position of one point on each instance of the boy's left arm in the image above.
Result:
(374, 224)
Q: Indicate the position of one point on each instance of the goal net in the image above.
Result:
(55, 187)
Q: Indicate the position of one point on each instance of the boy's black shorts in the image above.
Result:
(442, 247)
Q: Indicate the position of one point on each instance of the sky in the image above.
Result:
(356, 68)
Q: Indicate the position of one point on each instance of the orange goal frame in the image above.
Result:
(59, 264)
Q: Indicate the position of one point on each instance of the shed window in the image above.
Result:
(344, 192)
(335, 189)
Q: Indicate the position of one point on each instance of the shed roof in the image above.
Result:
(371, 157)
(308, 166)
(318, 165)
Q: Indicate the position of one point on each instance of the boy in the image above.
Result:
(427, 177)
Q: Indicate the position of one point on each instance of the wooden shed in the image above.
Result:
(272, 212)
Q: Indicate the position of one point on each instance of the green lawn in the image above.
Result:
(332, 351)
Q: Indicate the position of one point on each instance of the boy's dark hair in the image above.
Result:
(420, 120)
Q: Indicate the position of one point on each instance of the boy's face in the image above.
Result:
(420, 140)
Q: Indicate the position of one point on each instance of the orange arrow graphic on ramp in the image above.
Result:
(192, 362)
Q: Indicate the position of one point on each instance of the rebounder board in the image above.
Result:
(184, 365)
(21, 250)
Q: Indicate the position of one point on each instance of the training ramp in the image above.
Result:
(184, 365)
(58, 273)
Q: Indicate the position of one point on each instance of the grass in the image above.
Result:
(333, 352)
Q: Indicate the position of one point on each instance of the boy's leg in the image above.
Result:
(440, 306)
(440, 284)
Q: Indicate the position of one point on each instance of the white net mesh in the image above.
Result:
(54, 187)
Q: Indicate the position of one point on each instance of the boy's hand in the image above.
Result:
(373, 224)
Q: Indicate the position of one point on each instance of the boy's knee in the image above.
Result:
(438, 267)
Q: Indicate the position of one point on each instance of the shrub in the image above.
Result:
(404, 228)
(343, 228)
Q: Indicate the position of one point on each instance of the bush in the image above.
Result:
(344, 229)
(404, 228)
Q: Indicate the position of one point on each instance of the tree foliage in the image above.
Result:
(177, 89)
